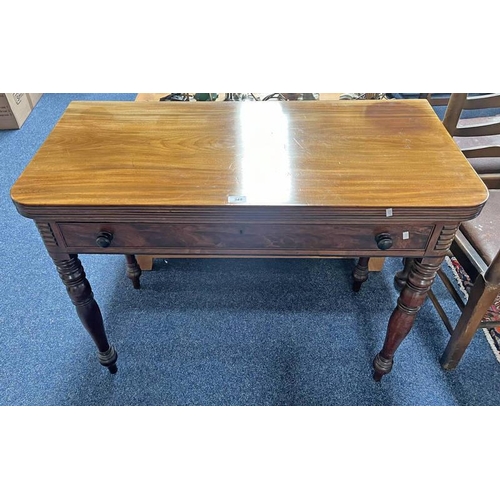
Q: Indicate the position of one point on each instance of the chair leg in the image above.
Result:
(480, 299)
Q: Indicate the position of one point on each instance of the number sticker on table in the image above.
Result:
(237, 199)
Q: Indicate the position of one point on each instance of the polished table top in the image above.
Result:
(342, 154)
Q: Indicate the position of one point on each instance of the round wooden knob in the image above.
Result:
(384, 241)
(103, 239)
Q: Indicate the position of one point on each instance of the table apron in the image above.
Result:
(248, 239)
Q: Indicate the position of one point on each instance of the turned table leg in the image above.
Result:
(360, 273)
(71, 271)
(133, 271)
(411, 299)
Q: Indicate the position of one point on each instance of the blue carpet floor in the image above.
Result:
(211, 332)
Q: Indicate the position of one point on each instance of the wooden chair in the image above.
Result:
(477, 249)
(477, 243)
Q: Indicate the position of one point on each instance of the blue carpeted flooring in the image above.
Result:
(211, 332)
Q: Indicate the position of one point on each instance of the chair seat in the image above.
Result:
(484, 232)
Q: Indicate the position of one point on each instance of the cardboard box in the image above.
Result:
(15, 108)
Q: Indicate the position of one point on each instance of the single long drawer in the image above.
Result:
(205, 237)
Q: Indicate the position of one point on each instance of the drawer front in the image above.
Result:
(225, 238)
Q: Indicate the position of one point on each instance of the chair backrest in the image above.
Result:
(435, 100)
(474, 122)
(487, 127)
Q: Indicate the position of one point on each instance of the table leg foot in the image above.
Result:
(108, 359)
(360, 273)
(381, 366)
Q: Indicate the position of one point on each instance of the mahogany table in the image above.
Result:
(251, 179)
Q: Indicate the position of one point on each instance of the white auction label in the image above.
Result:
(237, 199)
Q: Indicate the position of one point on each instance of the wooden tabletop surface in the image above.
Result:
(315, 153)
